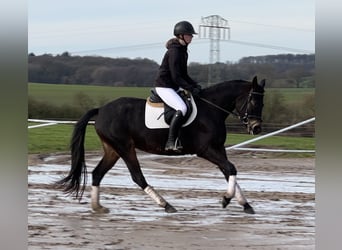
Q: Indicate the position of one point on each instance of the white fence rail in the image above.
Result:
(237, 146)
(50, 122)
(234, 147)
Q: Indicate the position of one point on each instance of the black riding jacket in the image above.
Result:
(173, 71)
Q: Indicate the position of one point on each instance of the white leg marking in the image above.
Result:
(155, 196)
(95, 196)
(231, 186)
(239, 195)
(95, 200)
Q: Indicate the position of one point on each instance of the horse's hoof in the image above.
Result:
(248, 209)
(170, 209)
(100, 210)
(225, 201)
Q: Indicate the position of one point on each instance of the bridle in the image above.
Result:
(246, 116)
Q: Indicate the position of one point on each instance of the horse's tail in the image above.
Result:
(72, 183)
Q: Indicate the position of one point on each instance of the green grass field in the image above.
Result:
(292, 95)
(56, 138)
(59, 94)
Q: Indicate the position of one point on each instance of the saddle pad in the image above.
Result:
(154, 117)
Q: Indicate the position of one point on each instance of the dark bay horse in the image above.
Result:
(121, 128)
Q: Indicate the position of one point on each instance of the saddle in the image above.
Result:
(158, 114)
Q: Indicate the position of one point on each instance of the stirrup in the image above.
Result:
(174, 146)
(178, 144)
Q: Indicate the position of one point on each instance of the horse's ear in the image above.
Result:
(255, 80)
(262, 83)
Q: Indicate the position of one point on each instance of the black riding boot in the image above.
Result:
(175, 125)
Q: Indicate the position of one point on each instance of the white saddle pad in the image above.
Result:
(154, 115)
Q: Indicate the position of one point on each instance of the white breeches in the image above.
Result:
(171, 98)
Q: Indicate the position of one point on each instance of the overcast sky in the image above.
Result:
(140, 28)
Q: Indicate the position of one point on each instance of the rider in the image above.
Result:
(173, 75)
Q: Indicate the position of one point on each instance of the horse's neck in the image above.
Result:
(225, 94)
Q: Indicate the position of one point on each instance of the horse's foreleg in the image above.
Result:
(231, 191)
(243, 201)
(219, 158)
(228, 169)
(231, 186)
(235, 191)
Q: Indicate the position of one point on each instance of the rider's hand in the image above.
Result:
(196, 90)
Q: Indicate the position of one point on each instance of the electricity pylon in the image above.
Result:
(216, 29)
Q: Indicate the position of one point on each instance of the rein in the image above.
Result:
(220, 108)
(246, 116)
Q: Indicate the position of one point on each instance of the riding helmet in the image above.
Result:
(184, 28)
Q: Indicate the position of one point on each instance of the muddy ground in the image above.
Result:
(281, 190)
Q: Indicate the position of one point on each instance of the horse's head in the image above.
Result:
(250, 107)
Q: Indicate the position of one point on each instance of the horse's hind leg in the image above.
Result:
(107, 162)
(138, 177)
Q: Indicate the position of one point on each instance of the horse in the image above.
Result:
(121, 129)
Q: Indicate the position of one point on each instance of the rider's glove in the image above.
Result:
(196, 90)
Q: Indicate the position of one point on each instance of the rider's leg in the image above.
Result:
(175, 125)
(171, 98)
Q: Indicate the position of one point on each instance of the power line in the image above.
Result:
(114, 28)
(275, 26)
(121, 48)
(270, 46)
(195, 42)
(107, 28)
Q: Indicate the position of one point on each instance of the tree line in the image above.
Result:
(284, 70)
(276, 113)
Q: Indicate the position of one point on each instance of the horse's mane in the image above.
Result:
(223, 86)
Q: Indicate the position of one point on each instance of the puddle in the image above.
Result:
(283, 201)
